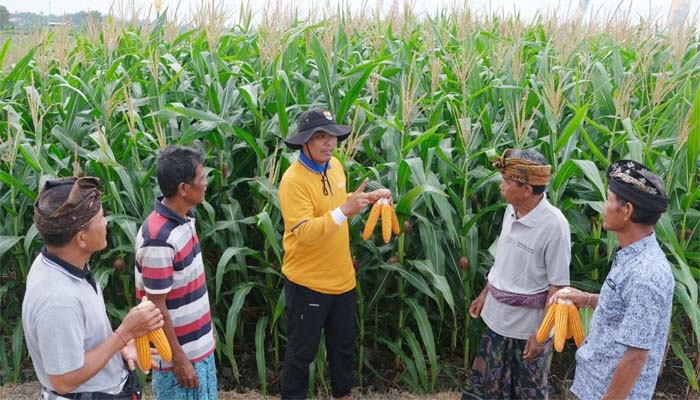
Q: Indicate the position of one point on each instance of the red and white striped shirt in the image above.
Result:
(169, 261)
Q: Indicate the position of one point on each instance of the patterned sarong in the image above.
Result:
(499, 371)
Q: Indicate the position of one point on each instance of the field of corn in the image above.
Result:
(431, 101)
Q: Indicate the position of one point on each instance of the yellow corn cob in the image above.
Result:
(143, 350)
(386, 222)
(158, 338)
(394, 221)
(371, 221)
(547, 324)
(561, 319)
(575, 325)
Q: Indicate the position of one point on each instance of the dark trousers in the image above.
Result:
(308, 313)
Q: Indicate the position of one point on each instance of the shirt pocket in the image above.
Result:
(612, 305)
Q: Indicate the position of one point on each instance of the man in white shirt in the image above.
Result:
(532, 262)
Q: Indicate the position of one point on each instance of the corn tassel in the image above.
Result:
(394, 221)
(547, 324)
(161, 342)
(575, 325)
(371, 221)
(561, 326)
(386, 222)
(143, 350)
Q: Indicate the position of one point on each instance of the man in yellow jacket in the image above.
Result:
(320, 278)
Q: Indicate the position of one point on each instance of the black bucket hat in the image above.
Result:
(312, 121)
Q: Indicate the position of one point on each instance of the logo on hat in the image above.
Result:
(328, 115)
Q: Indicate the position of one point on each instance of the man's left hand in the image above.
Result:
(532, 348)
(374, 196)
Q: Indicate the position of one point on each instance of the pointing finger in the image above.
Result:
(362, 186)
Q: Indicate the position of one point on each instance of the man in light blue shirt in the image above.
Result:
(623, 352)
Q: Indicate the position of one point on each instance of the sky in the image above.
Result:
(526, 8)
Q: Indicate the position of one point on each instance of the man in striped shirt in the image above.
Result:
(170, 271)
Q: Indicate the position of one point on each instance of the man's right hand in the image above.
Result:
(185, 373)
(357, 201)
(141, 320)
(576, 296)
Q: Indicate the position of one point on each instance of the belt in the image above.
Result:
(537, 301)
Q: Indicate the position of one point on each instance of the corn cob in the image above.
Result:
(386, 222)
(158, 338)
(561, 319)
(394, 221)
(575, 325)
(143, 350)
(371, 221)
(547, 324)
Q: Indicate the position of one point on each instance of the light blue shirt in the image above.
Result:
(634, 310)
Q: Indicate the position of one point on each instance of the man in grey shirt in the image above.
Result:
(623, 352)
(532, 261)
(75, 353)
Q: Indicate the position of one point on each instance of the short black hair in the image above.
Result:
(176, 165)
(49, 200)
(640, 215)
(534, 156)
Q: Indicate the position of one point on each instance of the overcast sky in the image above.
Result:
(525, 8)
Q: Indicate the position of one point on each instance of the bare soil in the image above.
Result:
(672, 385)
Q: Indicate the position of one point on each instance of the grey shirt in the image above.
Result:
(64, 316)
(533, 252)
(634, 310)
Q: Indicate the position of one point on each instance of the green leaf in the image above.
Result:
(222, 265)
(8, 242)
(426, 333)
(324, 75)
(3, 52)
(438, 281)
(11, 181)
(571, 127)
(240, 293)
(418, 358)
(590, 170)
(688, 367)
(260, 353)
(416, 280)
(693, 141)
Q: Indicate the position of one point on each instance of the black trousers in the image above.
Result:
(308, 313)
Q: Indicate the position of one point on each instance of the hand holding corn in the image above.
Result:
(564, 317)
(157, 336)
(140, 320)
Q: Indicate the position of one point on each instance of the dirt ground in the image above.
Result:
(672, 385)
(30, 391)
